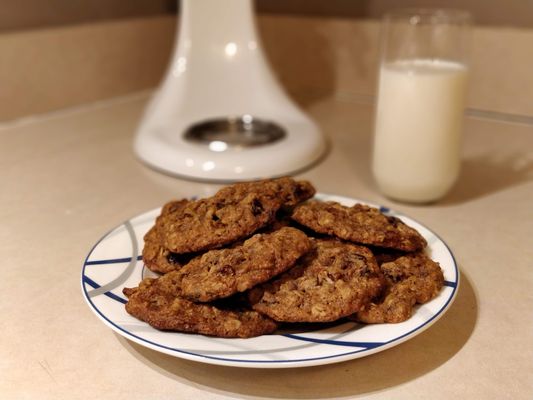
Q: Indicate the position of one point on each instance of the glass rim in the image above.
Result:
(435, 15)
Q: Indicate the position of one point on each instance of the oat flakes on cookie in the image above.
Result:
(359, 223)
(233, 213)
(221, 273)
(330, 282)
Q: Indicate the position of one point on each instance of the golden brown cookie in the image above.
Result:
(221, 273)
(232, 214)
(155, 256)
(358, 224)
(411, 279)
(155, 303)
(330, 282)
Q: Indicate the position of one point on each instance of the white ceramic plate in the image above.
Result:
(115, 263)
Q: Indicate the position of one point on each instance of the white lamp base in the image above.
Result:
(219, 73)
(300, 148)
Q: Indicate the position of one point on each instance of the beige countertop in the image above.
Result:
(69, 177)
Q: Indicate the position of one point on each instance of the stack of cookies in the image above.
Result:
(260, 254)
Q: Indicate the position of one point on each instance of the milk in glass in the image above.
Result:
(418, 128)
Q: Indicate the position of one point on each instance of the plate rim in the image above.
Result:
(290, 363)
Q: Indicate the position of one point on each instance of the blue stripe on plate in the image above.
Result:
(450, 284)
(366, 345)
(112, 261)
(111, 295)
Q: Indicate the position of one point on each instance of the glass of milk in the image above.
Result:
(421, 101)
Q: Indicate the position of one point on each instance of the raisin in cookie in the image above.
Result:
(221, 273)
(330, 282)
(359, 224)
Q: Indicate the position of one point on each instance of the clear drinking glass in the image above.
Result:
(421, 101)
